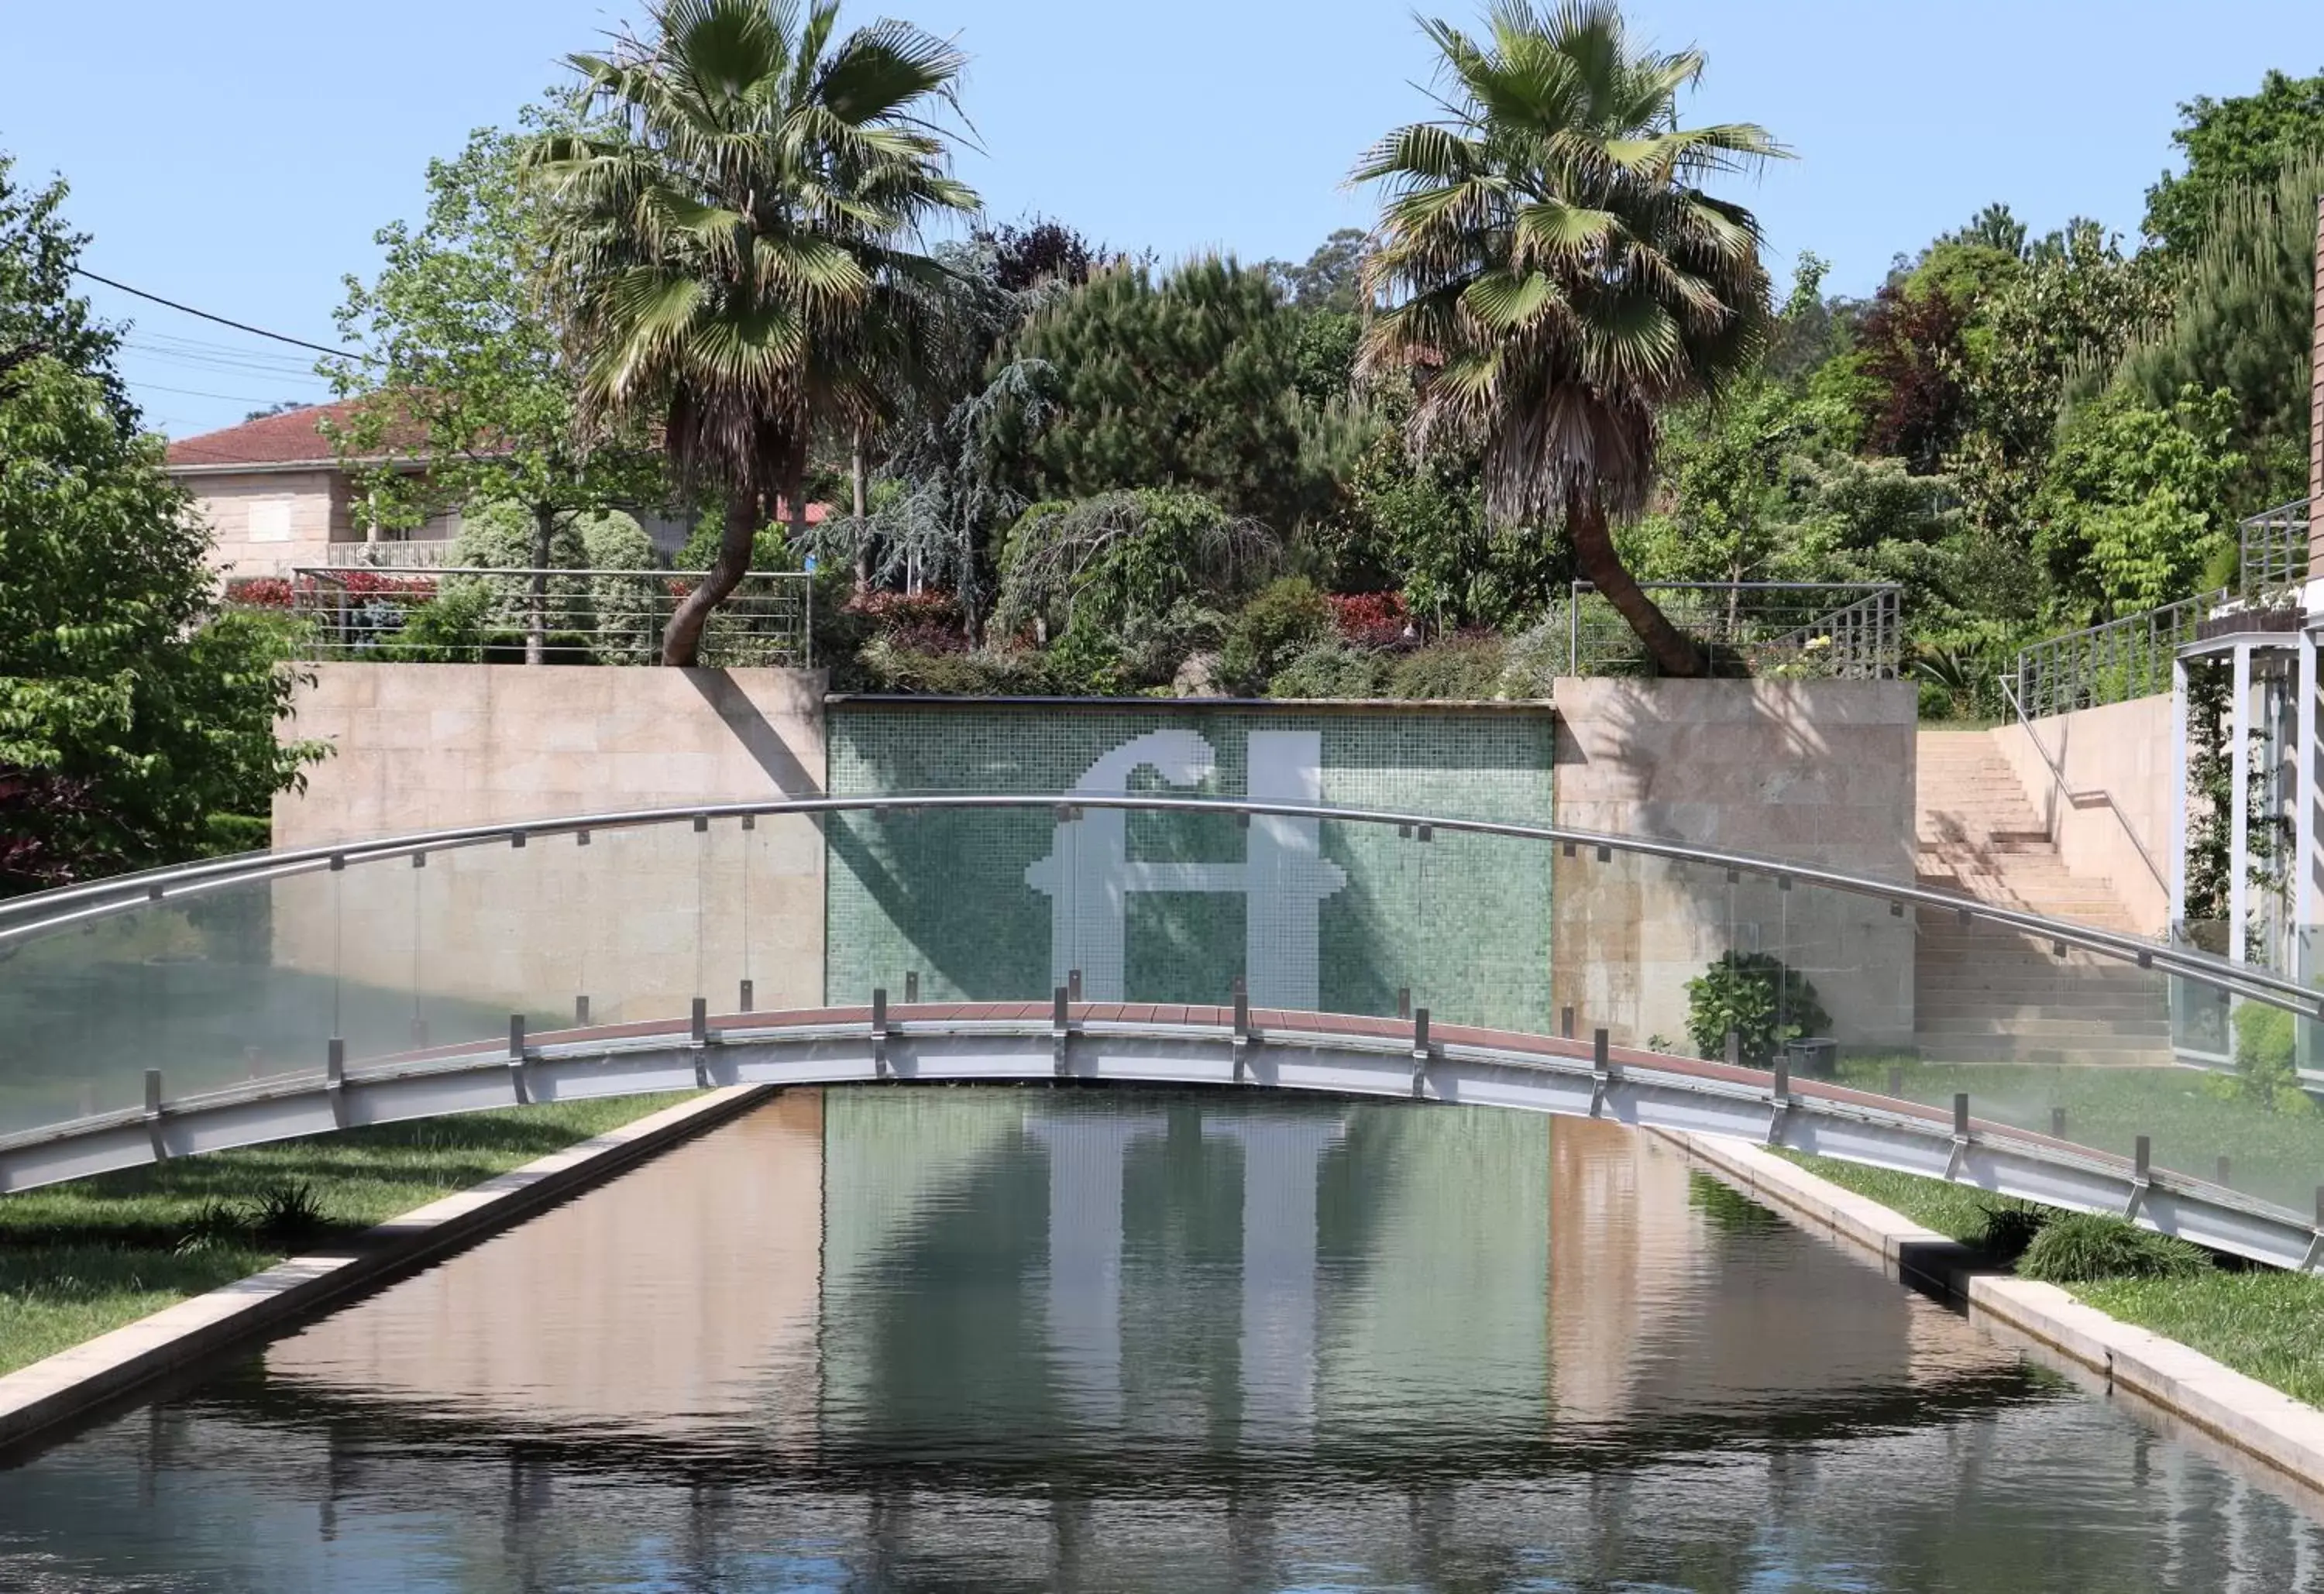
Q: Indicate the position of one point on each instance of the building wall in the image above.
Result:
(640, 921)
(2116, 760)
(266, 523)
(1820, 772)
(1006, 904)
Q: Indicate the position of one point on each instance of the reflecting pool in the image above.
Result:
(1089, 1338)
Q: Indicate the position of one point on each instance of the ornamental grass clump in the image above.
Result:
(2083, 1247)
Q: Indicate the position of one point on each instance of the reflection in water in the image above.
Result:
(892, 1339)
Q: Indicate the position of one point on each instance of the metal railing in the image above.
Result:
(427, 553)
(1010, 1039)
(471, 614)
(2110, 663)
(2274, 549)
(1776, 628)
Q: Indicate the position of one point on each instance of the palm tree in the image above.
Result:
(1554, 277)
(730, 220)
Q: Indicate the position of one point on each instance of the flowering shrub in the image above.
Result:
(1371, 618)
(371, 584)
(260, 591)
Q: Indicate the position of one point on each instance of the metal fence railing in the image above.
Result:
(425, 553)
(2275, 549)
(2110, 663)
(470, 614)
(1776, 629)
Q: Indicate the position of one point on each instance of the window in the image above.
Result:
(270, 519)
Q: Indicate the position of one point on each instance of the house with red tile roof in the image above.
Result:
(276, 497)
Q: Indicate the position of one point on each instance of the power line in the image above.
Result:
(221, 320)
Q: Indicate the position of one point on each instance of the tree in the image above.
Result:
(1333, 278)
(728, 241)
(466, 395)
(2241, 319)
(2135, 504)
(1190, 382)
(134, 719)
(2245, 141)
(1040, 253)
(1554, 270)
(2074, 308)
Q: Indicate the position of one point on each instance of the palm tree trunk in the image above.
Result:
(1601, 566)
(681, 640)
(536, 631)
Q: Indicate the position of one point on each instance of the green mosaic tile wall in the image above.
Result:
(1463, 922)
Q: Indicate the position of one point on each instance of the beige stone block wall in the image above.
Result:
(1816, 772)
(308, 507)
(639, 920)
(2118, 766)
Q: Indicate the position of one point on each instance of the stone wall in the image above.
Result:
(639, 921)
(2116, 760)
(1817, 771)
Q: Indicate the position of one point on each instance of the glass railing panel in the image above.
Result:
(214, 989)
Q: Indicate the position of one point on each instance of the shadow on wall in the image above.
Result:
(1818, 772)
(725, 698)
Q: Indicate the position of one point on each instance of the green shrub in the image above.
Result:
(1282, 618)
(2266, 1074)
(1754, 994)
(985, 673)
(1466, 669)
(1331, 669)
(2008, 1227)
(2081, 1248)
(1532, 661)
(450, 628)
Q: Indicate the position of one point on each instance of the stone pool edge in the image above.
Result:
(2232, 1408)
(58, 1388)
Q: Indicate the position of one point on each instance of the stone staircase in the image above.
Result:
(1983, 994)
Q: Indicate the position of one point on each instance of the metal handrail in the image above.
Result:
(2273, 549)
(2057, 776)
(48, 910)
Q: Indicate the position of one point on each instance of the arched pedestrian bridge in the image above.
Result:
(1434, 957)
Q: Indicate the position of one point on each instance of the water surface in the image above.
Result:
(1018, 1338)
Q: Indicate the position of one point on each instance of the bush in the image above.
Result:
(1331, 669)
(1754, 995)
(1372, 619)
(1282, 618)
(2008, 1227)
(2266, 1074)
(1466, 669)
(2081, 1247)
(984, 673)
(927, 621)
(450, 628)
(1534, 659)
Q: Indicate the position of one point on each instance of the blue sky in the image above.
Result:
(239, 155)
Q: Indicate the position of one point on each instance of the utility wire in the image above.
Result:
(221, 320)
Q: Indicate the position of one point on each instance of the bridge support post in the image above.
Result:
(1060, 1029)
(879, 1032)
(517, 1080)
(335, 1079)
(698, 1039)
(1603, 1075)
(153, 1115)
(1959, 1157)
(1779, 1095)
(1424, 1052)
(2141, 1177)
(1243, 1032)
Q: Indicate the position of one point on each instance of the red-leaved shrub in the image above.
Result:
(1371, 618)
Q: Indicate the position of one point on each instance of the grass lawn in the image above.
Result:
(2262, 1323)
(2276, 1156)
(80, 1259)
